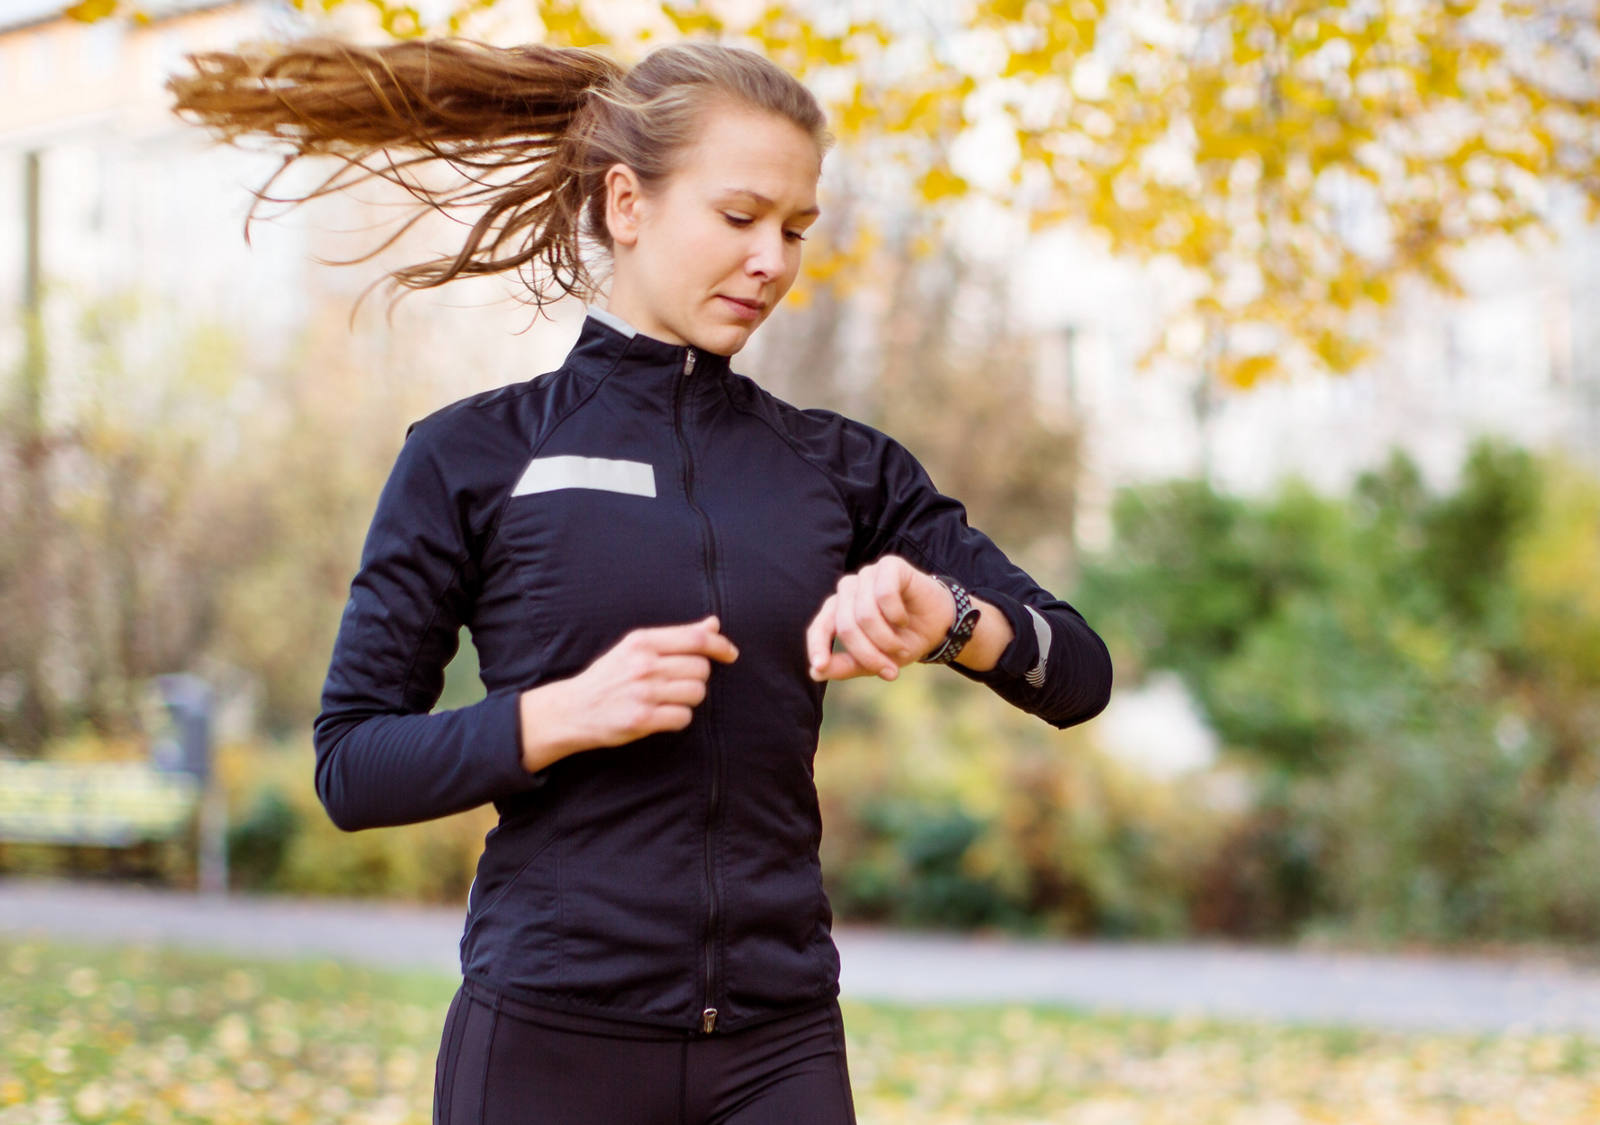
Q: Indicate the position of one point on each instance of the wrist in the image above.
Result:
(950, 620)
(989, 640)
(938, 591)
(547, 730)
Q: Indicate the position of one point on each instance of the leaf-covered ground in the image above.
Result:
(142, 1035)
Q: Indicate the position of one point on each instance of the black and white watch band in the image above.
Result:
(961, 628)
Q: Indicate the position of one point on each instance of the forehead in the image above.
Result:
(752, 150)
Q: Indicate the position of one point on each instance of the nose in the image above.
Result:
(766, 255)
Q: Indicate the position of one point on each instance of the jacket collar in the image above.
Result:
(606, 341)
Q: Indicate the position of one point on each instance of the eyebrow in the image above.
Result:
(765, 202)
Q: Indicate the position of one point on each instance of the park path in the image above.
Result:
(1401, 992)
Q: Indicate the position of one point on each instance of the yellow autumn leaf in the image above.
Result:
(91, 10)
(1246, 371)
(694, 19)
(939, 183)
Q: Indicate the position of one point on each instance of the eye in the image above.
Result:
(794, 236)
(737, 220)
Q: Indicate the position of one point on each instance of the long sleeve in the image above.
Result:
(382, 759)
(1056, 666)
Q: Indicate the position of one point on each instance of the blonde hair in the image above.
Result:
(555, 117)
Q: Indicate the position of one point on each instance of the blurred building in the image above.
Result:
(1517, 356)
(107, 192)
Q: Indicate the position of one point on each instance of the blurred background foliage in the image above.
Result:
(1410, 678)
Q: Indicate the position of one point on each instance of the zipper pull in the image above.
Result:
(708, 1020)
(688, 369)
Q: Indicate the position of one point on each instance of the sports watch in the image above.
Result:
(961, 628)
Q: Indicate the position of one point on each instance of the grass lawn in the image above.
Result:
(140, 1035)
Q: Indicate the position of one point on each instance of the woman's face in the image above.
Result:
(704, 258)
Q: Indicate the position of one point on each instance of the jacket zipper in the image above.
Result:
(708, 1017)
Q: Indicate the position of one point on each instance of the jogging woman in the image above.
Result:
(656, 559)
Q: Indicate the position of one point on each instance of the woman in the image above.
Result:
(655, 558)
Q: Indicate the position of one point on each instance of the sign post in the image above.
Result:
(186, 746)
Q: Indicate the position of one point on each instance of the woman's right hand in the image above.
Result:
(649, 681)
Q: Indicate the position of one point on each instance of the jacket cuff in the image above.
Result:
(505, 731)
(1018, 657)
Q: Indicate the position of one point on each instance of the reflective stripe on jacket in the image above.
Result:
(642, 484)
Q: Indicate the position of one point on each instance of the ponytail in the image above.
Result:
(553, 119)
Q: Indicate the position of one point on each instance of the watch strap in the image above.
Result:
(961, 629)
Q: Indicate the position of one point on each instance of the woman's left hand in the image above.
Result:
(887, 614)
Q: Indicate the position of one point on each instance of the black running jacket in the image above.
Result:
(673, 880)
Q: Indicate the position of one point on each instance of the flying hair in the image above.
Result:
(529, 132)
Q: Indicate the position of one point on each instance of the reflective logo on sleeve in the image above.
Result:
(1041, 629)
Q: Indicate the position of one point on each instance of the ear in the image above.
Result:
(625, 204)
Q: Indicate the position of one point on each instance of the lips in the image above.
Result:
(742, 309)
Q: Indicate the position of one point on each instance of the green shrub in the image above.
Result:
(282, 839)
(1415, 675)
(945, 806)
(259, 844)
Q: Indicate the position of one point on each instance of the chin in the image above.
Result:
(724, 339)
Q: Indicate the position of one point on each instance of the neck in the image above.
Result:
(636, 314)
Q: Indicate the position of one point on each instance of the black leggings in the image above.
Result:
(503, 1062)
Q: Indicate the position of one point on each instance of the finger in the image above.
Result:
(840, 666)
(819, 634)
(715, 643)
(869, 616)
(875, 630)
(694, 637)
(718, 647)
(891, 603)
(671, 716)
(850, 634)
(688, 693)
(683, 666)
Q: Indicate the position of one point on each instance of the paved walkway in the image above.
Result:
(1403, 992)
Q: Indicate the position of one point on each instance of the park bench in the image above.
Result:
(106, 804)
(120, 817)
